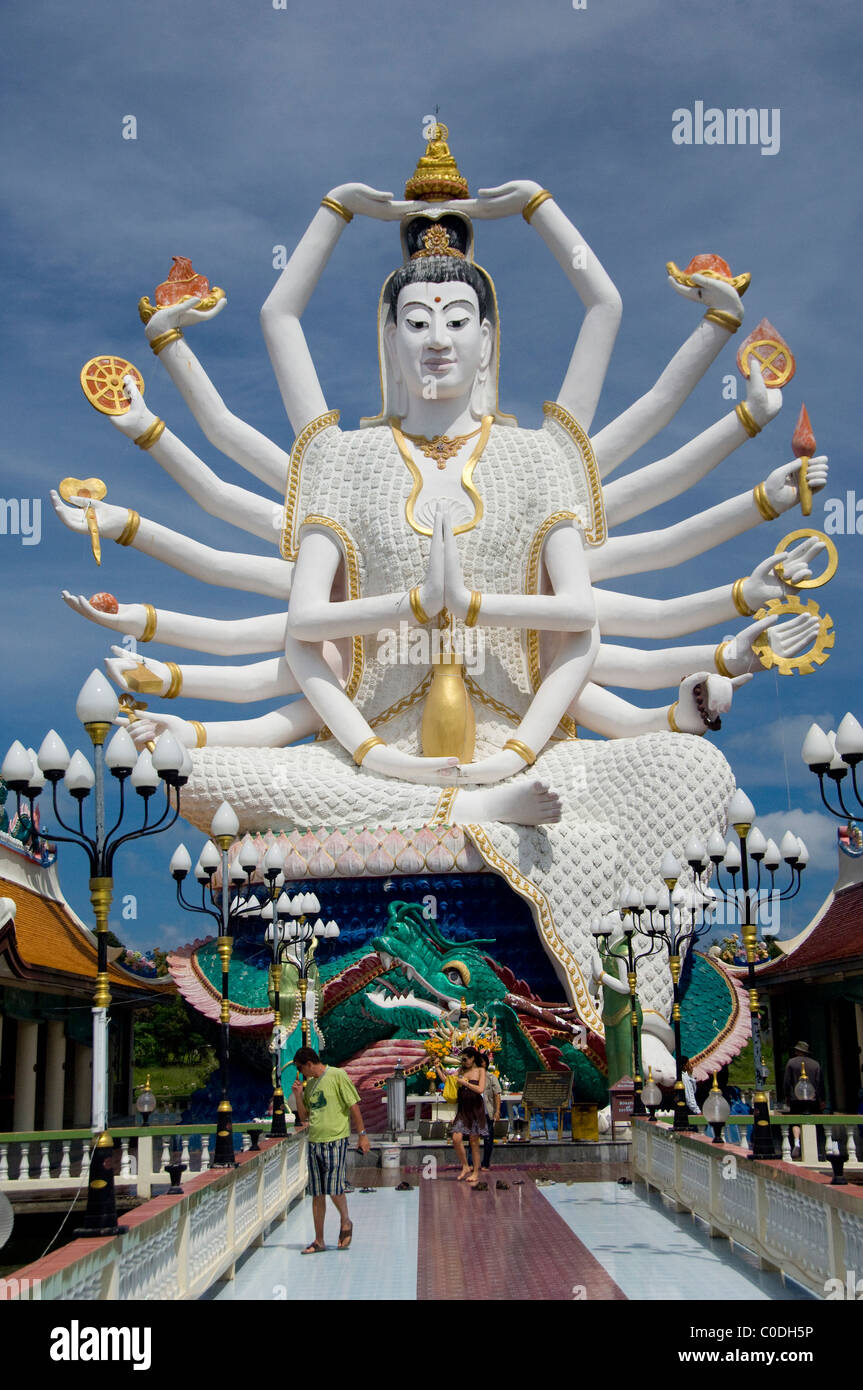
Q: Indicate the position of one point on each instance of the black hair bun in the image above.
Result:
(455, 227)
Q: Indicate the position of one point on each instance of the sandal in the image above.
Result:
(346, 1235)
(316, 1248)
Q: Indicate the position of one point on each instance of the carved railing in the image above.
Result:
(41, 1160)
(178, 1246)
(791, 1219)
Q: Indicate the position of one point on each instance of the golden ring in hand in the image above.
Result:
(804, 662)
(832, 558)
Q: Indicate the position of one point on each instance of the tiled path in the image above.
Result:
(586, 1239)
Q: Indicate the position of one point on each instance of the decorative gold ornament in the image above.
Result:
(804, 491)
(739, 601)
(151, 435)
(719, 661)
(466, 479)
(335, 206)
(150, 623)
(805, 662)
(448, 725)
(130, 707)
(832, 559)
(672, 722)
(436, 177)
(200, 733)
(767, 346)
(523, 751)
(176, 682)
(163, 339)
(685, 277)
(146, 310)
(535, 202)
(142, 680)
(442, 447)
(766, 508)
(725, 320)
(102, 384)
(417, 609)
(130, 530)
(365, 747)
(473, 608)
(747, 419)
(436, 242)
(95, 489)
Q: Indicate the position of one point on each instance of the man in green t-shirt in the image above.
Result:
(327, 1101)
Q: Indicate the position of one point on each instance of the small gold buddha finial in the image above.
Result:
(436, 177)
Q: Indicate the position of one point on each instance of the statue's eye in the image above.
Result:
(418, 323)
(457, 323)
(457, 972)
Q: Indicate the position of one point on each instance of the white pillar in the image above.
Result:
(55, 1074)
(24, 1114)
(81, 1103)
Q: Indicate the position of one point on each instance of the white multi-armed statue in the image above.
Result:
(441, 515)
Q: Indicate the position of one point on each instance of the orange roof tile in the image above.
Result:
(46, 936)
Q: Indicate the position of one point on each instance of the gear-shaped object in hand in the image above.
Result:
(102, 384)
(804, 662)
(832, 559)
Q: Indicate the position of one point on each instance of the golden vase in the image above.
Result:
(448, 727)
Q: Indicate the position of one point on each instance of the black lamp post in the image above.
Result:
(716, 1110)
(25, 774)
(757, 861)
(833, 756)
(231, 905)
(673, 924)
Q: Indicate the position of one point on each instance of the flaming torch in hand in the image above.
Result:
(803, 446)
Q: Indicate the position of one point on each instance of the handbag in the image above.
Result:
(450, 1089)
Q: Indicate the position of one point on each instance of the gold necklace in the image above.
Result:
(442, 447)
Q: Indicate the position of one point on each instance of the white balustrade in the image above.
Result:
(4, 1162)
(65, 1159)
(205, 1153)
(786, 1143)
(45, 1163)
(125, 1165)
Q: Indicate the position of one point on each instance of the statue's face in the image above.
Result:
(439, 341)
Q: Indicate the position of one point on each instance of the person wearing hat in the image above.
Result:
(801, 1057)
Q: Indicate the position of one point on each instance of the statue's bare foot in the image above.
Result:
(517, 803)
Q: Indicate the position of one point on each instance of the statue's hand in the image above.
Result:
(150, 725)
(364, 201)
(764, 583)
(763, 402)
(112, 520)
(391, 762)
(788, 639)
(122, 663)
(493, 769)
(433, 586)
(184, 315)
(719, 691)
(504, 201)
(138, 417)
(781, 485)
(456, 592)
(716, 294)
(130, 618)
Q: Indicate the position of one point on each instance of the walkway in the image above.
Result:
(576, 1235)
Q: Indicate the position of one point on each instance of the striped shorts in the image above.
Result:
(327, 1163)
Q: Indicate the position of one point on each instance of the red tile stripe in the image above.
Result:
(502, 1245)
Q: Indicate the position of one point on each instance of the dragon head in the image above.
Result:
(440, 973)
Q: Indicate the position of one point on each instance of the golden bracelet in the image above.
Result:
(720, 663)
(473, 608)
(162, 340)
(747, 419)
(723, 319)
(150, 625)
(365, 747)
(672, 722)
(417, 609)
(759, 497)
(533, 203)
(130, 530)
(200, 733)
(739, 601)
(522, 750)
(150, 436)
(337, 207)
(176, 684)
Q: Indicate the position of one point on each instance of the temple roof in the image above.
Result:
(832, 942)
(45, 943)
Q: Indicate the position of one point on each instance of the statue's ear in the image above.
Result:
(487, 335)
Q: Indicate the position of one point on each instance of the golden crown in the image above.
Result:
(436, 242)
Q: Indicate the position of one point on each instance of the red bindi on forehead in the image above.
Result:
(437, 299)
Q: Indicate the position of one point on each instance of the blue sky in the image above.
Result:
(247, 115)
